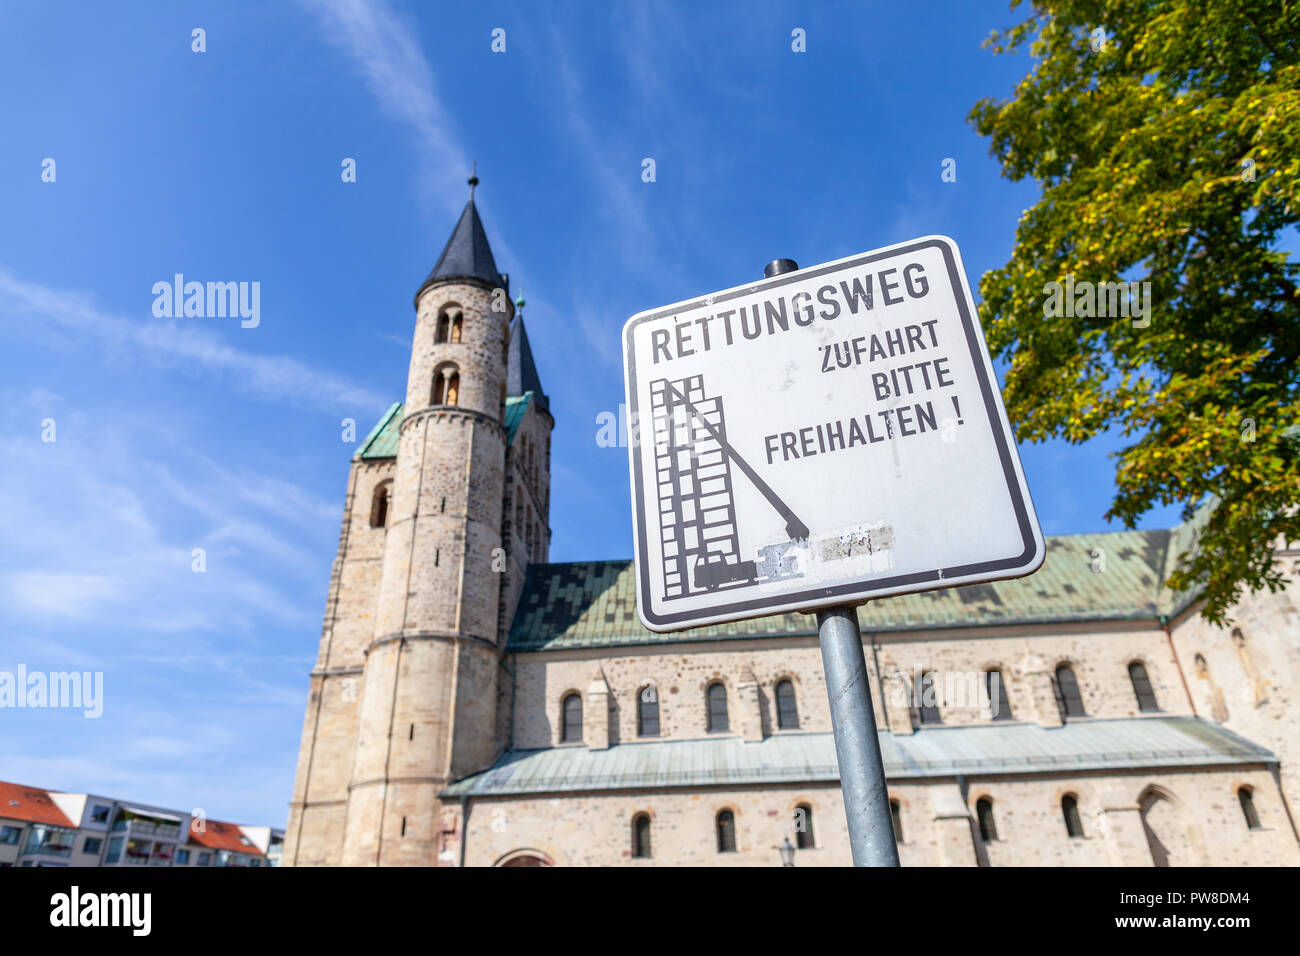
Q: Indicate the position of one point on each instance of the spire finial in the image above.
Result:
(473, 179)
(519, 303)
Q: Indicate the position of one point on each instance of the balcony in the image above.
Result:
(137, 852)
(162, 854)
(136, 822)
(50, 841)
(148, 828)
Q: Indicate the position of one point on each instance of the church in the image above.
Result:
(473, 704)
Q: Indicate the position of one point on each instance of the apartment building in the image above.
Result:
(41, 827)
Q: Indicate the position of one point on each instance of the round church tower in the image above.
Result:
(429, 692)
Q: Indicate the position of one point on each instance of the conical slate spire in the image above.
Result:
(467, 254)
(521, 372)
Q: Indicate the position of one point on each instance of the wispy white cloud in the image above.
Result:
(616, 170)
(171, 757)
(243, 676)
(115, 534)
(62, 594)
(168, 341)
(383, 47)
(97, 575)
(212, 498)
(660, 114)
(40, 398)
(22, 646)
(599, 331)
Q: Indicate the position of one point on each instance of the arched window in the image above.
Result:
(717, 698)
(1146, 697)
(449, 325)
(647, 712)
(999, 705)
(726, 832)
(1218, 706)
(803, 827)
(379, 506)
(446, 386)
(787, 714)
(896, 814)
(1070, 810)
(1067, 692)
(572, 729)
(1248, 807)
(984, 814)
(929, 703)
(1255, 686)
(641, 836)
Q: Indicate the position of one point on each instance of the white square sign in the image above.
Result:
(820, 438)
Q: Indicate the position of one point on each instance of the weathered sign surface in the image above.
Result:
(820, 438)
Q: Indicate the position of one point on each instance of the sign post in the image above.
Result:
(857, 744)
(820, 438)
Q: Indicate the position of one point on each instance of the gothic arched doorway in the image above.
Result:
(1165, 829)
(525, 858)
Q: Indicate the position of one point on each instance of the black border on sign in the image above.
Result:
(820, 596)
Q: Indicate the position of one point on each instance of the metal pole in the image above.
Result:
(857, 747)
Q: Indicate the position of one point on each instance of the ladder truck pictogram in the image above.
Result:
(697, 513)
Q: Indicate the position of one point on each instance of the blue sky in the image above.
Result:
(176, 434)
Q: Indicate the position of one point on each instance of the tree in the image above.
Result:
(1165, 135)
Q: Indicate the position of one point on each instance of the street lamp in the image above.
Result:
(787, 852)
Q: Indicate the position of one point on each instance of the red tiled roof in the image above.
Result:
(222, 836)
(31, 804)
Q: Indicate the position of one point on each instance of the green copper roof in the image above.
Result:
(382, 440)
(1125, 744)
(515, 408)
(1085, 577)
